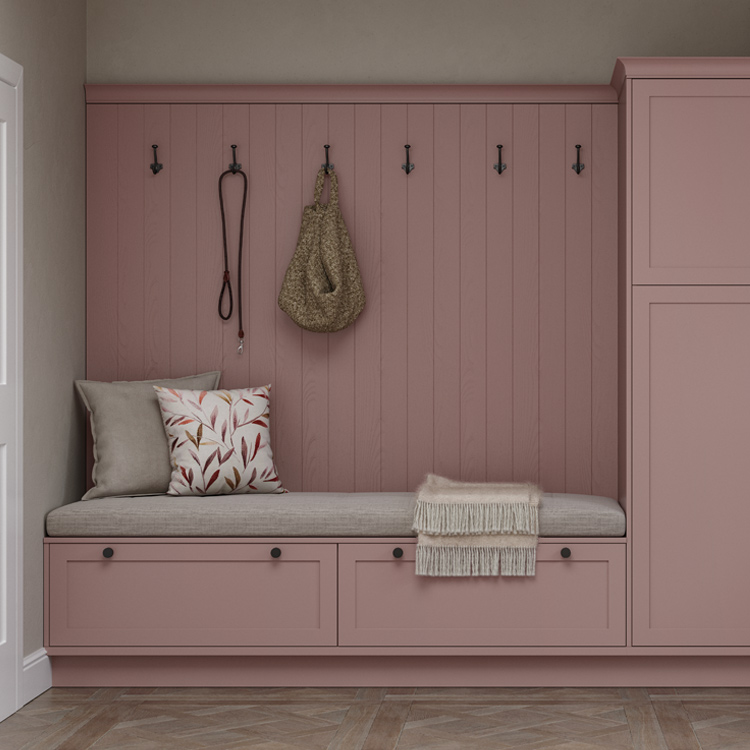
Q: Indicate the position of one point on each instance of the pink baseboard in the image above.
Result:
(395, 671)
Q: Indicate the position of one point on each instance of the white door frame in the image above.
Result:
(11, 389)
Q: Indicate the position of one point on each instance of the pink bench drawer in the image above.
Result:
(578, 601)
(192, 595)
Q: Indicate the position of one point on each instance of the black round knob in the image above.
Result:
(398, 552)
(275, 552)
(108, 552)
(565, 552)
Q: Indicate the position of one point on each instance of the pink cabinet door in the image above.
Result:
(192, 595)
(578, 601)
(691, 192)
(691, 466)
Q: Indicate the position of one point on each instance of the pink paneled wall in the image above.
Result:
(488, 345)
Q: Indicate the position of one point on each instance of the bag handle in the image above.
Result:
(320, 181)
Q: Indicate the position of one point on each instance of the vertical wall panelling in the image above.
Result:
(473, 291)
(235, 130)
(102, 235)
(578, 300)
(526, 292)
(367, 331)
(156, 245)
(393, 294)
(499, 292)
(603, 302)
(314, 345)
(420, 275)
(287, 401)
(487, 347)
(261, 292)
(210, 162)
(446, 290)
(341, 394)
(132, 172)
(553, 169)
(183, 291)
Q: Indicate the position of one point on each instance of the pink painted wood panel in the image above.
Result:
(315, 371)
(157, 259)
(553, 175)
(183, 279)
(575, 602)
(486, 347)
(341, 348)
(472, 388)
(367, 331)
(192, 595)
(578, 294)
(500, 290)
(690, 225)
(420, 312)
(394, 134)
(691, 434)
(447, 304)
(526, 291)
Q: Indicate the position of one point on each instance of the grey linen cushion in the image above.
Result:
(314, 514)
(131, 455)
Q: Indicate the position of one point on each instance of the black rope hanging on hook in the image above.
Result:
(234, 168)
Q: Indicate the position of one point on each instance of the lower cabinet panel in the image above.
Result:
(192, 595)
(578, 601)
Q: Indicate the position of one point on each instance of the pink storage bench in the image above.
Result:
(247, 590)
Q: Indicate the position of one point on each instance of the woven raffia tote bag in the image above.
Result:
(322, 289)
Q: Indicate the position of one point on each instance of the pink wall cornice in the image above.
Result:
(678, 67)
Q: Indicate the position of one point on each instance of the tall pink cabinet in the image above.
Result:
(685, 347)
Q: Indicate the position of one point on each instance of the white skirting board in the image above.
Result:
(37, 675)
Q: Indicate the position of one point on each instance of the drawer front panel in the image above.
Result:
(578, 601)
(691, 158)
(192, 595)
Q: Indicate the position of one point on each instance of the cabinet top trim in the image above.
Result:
(678, 67)
(345, 94)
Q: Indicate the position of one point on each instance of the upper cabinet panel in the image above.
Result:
(691, 181)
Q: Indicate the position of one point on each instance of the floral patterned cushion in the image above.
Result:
(219, 441)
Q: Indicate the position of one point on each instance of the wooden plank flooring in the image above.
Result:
(381, 719)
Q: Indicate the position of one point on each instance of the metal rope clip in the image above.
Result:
(241, 347)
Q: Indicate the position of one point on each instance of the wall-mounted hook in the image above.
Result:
(328, 164)
(408, 167)
(156, 167)
(500, 167)
(234, 167)
(578, 167)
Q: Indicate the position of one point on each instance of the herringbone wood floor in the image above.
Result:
(382, 719)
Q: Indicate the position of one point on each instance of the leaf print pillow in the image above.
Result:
(219, 441)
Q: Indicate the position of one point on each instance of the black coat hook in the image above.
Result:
(327, 166)
(408, 167)
(578, 167)
(156, 167)
(500, 167)
(234, 167)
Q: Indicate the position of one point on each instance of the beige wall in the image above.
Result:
(399, 41)
(49, 40)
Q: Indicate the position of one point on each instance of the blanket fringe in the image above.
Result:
(456, 519)
(475, 561)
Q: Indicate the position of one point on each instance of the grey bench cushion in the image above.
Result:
(328, 514)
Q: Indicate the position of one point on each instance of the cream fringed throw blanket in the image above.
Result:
(476, 529)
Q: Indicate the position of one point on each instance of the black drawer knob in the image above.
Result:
(275, 552)
(398, 552)
(565, 552)
(108, 552)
